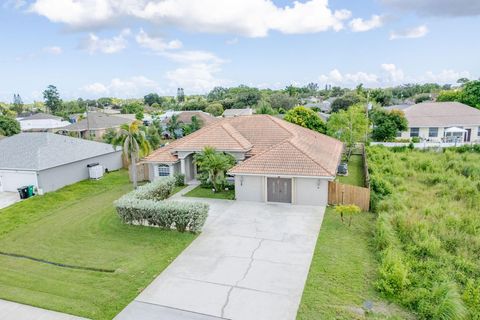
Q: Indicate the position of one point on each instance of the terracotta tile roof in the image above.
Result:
(272, 146)
(441, 114)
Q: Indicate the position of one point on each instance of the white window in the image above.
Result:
(414, 132)
(433, 132)
(163, 170)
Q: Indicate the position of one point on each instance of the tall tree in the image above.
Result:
(193, 126)
(471, 94)
(17, 103)
(8, 126)
(306, 118)
(173, 126)
(134, 144)
(180, 95)
(349, 126)
(386, 124)
(52, 99)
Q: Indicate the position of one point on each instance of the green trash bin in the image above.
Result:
(30, 191)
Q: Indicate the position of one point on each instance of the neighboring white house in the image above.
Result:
(442, 121)
(277, 161)
(50, 161)
(42, 122)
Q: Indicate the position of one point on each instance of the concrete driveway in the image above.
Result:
(8, 198)
(250, 262)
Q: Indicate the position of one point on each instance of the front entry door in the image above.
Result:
(468, 135)
(279, 190)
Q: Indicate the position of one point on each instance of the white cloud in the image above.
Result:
(252, 18)
(197, 78)
(393, 73)
(446, 76)
(155, 43)
(55, 50)
(94, 44)
(410, 33)
(360, 25)
(232, 41)
(123, 88)
(335, 77)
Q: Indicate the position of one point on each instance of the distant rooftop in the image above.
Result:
(97, 121)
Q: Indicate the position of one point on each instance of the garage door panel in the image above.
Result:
(279, 190)
(11, 180)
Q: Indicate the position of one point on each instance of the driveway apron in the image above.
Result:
(250, 262)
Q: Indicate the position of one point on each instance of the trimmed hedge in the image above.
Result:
(145, 205)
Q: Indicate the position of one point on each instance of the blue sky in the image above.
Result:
(127, 48)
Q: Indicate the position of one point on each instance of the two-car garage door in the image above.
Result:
(279, 190)
(11, 180)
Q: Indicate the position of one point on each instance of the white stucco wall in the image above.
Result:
(423, 133)
(249, 188)
(58, 177)
(310, 191)
(153, 170)
(10, 180)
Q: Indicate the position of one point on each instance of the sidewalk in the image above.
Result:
(16, 311)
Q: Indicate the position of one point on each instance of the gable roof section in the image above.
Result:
(272, 146)
(97, 121)
(222, 137)
(42, 150)
(441, 114)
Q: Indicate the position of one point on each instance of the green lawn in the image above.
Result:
(200, 192)
(355, 172)
(78, 225)
(178, 189)
(343, 273)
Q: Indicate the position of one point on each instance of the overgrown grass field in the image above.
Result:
(343, 272)
(78, 226)
(428, 230)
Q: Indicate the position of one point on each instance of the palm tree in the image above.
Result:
(215, 164)
(135, 145)
(173, 126)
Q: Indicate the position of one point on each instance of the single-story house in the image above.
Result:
(96, 124)
(42, 122)
(441, 121)
(50, 161)
(277, 161)
(237, 112)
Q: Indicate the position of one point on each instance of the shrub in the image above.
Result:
(393, 273)
(180, 215)
(157, 190)
(179, 179)
(145, 205)
(347, 210)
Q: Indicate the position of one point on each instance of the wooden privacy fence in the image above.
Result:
(339, 193)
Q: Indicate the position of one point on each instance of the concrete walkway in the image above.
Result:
(16, 311)
(250, 262)
(8, 198)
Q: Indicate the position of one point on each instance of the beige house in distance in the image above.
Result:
(276, 161)
(442, 122)
(96, 125)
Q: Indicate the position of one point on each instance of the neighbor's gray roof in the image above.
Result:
(96, 121)
(43, 150)
(441, 114)
(237, 112)
(41, 116)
